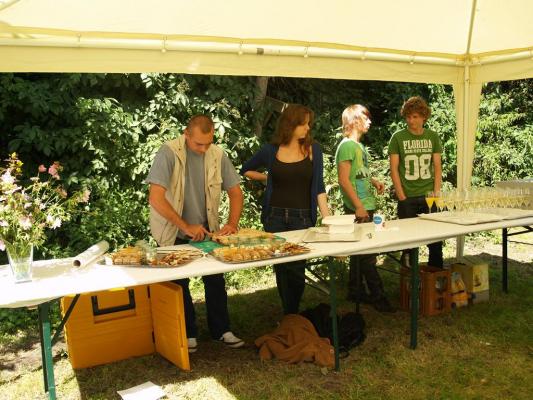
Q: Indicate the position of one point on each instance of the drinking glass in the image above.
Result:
(430, 199)
(460, 200)
(449, 200)
(515, 198)
(528, 199)
(439, 200)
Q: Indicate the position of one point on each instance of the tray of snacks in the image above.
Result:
(135, 257)
(245, 236)
(240, 254)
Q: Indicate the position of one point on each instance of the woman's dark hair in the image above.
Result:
(292, 116)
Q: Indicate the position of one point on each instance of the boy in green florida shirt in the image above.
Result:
(415, 167)
(352, 161)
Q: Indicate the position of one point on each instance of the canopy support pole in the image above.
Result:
(467, 97)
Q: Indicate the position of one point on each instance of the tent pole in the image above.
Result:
(164, 45)
(462, 173)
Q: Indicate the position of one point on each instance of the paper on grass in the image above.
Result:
(91, 254)
(144, 391)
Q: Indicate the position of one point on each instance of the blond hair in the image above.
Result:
(351, 116)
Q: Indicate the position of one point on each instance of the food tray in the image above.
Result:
(510, 213)
(461, 217)
(187, 256)
(255, 254)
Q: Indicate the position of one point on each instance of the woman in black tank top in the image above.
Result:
(295, 188)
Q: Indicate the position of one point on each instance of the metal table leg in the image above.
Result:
(358, 288)
(414, 296)
(333, 300)
(505, 286)
(46, 350)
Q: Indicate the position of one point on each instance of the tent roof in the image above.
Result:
(429, 32)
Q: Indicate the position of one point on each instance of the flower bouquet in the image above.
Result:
(27, 210)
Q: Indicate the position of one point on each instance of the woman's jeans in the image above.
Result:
(290, 277)
(410, 208)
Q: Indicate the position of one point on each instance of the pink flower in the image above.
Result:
(25, 223)
(54, 170)
(53, 222)
(3, 223)
(42, 168)
(8, 178)
(85, 196)
(2, 246)
(11, 191)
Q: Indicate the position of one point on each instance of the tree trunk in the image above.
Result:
(259, 100)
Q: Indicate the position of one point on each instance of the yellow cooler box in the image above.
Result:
(475, 275)
(117, 324)
(108, 326)
(169, 323)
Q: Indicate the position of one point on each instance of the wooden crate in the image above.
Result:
(434, 290)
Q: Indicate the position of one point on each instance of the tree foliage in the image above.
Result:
(106, 128)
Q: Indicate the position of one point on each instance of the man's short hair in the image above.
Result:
(201, 121)
(416, 104)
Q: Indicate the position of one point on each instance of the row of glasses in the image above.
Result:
(479, 199)
(439, 199)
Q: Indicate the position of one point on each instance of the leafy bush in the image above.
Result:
(106, 128)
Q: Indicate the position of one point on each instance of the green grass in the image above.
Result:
(483, 351)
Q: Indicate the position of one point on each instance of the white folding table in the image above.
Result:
(54, 279)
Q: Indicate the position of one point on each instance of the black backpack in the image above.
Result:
(350, 326)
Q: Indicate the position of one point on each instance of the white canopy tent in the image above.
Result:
(460, 42)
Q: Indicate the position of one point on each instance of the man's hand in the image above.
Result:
(196, 232)
(361, 214)
(228, 229)
(380, 186)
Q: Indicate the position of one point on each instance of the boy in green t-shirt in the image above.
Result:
(415, 167)
(352, 161)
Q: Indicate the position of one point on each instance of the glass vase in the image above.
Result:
(20, 258)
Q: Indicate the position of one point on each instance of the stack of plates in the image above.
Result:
(339, 223)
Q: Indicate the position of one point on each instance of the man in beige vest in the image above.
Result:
(186, 181)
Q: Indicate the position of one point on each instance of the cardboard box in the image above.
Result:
(475, 274)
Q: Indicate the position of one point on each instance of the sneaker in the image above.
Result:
(383, 305)
(230, 340)
(192, 344)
